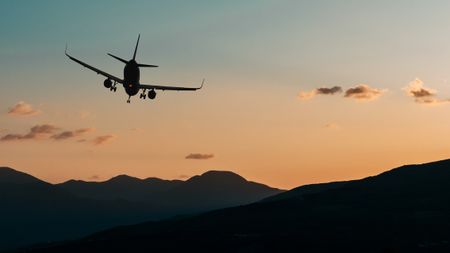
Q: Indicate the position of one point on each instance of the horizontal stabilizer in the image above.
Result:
(147, 65)
(118, 58)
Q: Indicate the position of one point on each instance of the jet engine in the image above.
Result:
(151, 94)
(107, 83)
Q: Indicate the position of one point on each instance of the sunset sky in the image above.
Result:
(296, 91)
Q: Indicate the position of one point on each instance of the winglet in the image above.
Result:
(201, 86)
(65, 51)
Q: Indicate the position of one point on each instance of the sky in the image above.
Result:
(296, 92)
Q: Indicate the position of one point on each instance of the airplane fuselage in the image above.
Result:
(131, 76)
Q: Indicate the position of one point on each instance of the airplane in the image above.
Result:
(131, 75)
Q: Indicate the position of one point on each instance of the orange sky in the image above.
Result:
(260, 113)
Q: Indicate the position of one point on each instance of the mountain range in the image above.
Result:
(406, 209)
(34, 211)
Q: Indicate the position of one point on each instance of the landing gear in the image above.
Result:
(142, 95)
(129, 99)
(113, 87)
(152, 94)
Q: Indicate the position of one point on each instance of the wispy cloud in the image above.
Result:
(71, 134)
(23, 109)
(422, 94)
(103, 139)
(329, 91)
(198, 156)
(305, 95)
(363, 92)
(48, 131)
(36, 132)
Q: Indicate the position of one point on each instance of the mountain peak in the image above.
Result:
(218, 175)
(9, 175)
(124, 179)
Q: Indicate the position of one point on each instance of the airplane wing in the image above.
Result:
(162, 87)
(98, 71)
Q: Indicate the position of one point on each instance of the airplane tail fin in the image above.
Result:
(137, 44)
(118, 58)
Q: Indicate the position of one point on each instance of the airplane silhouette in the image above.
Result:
(131, 76)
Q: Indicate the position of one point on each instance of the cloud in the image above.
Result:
(332, 126)
(100, 140)
(48, 131)
(198, 156)
(305, 95)
(71, 134)
(363, 92)
(329, 91)
(422, 94)
(183, 176)
(22, 109)
(36, 132)
(11, 137)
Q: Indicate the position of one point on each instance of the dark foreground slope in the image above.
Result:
(33, 211)
(403, 210)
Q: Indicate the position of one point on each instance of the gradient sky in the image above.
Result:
(257, 56)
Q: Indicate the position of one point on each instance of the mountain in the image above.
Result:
(35, 211)
(224, 189)
(120, 187)
(303, 190)
(406, 209)
(11, 176)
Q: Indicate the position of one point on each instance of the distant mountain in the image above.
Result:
(11, 176)
(33, 211)
(120, 187)
(216, 189)
(403, 210)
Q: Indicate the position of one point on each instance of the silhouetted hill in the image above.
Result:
(120, 187)
(11, 176)
(300, 191)
(35, 211)
(205, 190)
(403, 210)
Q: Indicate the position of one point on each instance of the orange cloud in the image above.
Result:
(23, 109)
(71, 134)
(36, 132)
(363, 92)
(198, 156)
(47, 131)
(305, 95)
(100, 140)
(422, 94)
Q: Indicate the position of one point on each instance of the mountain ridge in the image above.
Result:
(39, 211)
(405, 209)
